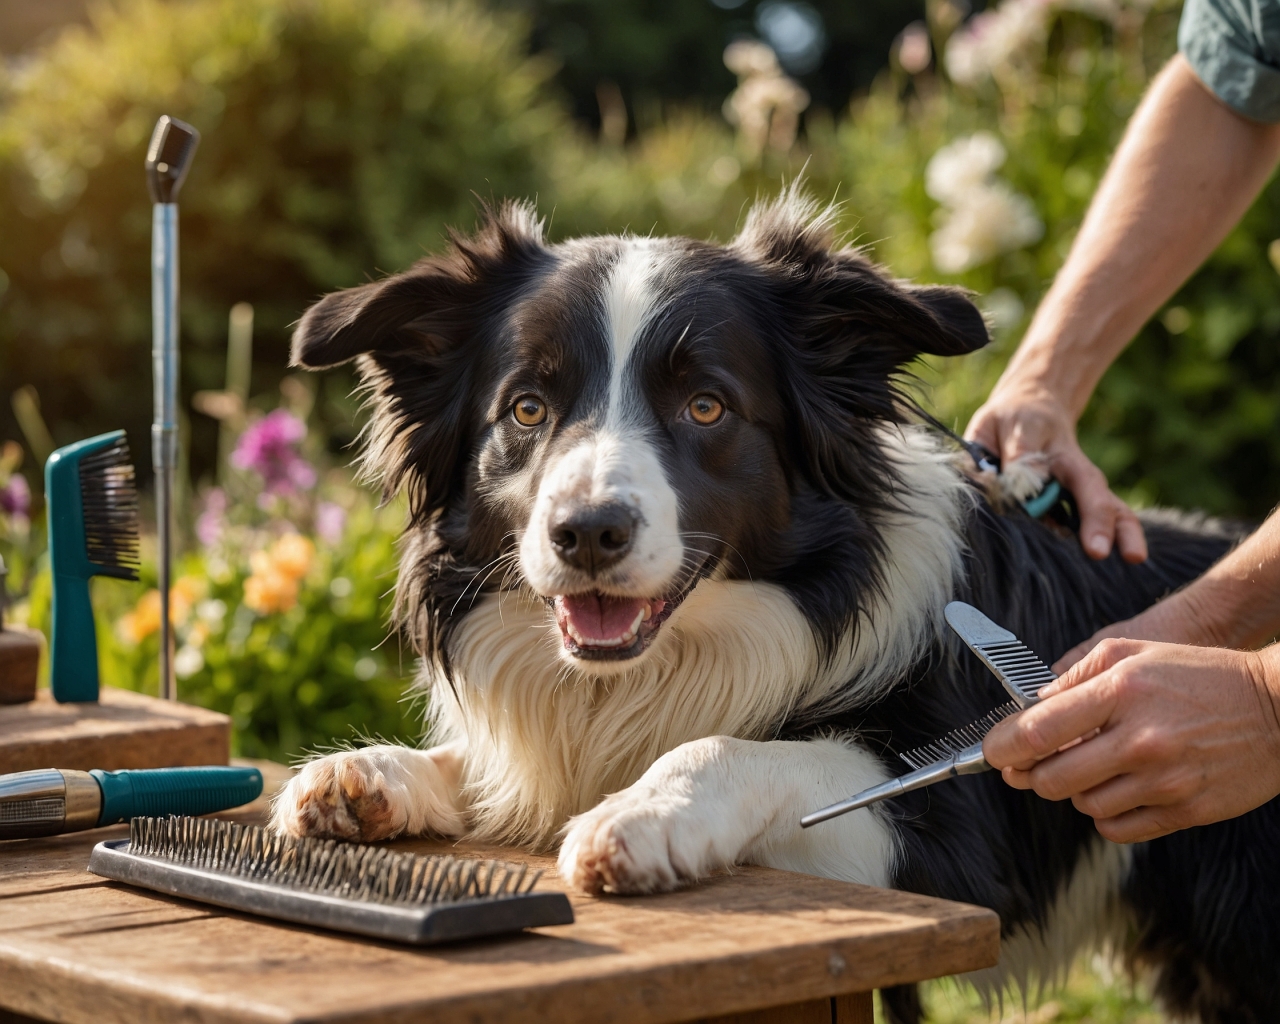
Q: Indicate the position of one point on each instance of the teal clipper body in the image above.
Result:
(93, 531)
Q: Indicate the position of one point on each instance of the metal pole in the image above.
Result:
(173, 143)
(164, 429)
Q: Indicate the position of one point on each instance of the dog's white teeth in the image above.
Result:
(640, 617)
(625, 640)
(645, 615)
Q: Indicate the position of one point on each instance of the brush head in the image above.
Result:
(369, 890)
(957, 740)
(109, 498)
(352, 871)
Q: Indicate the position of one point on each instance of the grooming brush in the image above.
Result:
(369, 890)
(173, 144)
(50, 801)
(93, 531)
(959, 752)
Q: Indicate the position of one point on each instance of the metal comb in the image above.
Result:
(959, 752)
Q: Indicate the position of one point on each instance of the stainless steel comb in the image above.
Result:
(959, 752)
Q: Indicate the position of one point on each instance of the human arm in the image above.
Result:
(1235, 604)
(1185, 736)
(1185, 172)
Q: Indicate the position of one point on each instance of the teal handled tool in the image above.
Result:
(50, 801)
(93, 531)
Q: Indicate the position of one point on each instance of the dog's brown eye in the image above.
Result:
(529, 410)
(705, 410)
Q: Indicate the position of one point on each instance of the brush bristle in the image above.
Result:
(958, 739)
(109, 494)
(351, 871)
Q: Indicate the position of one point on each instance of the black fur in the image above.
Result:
(807, 345)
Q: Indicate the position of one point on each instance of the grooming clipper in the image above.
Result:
(959, 752)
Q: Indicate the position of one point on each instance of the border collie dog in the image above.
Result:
(675, 565)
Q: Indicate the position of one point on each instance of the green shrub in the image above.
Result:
(340, 138)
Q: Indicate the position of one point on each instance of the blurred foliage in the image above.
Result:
(1094, 993)
(339, 138)
(668, 51)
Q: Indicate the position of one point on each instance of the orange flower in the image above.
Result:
(270, 592)
(137, 625)
(292, 555)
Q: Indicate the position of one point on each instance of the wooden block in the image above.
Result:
(122, 730)
(19, 663)
(814, 1011)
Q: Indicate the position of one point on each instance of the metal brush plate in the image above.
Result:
(419, 925)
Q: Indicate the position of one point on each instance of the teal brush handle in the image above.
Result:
(73, 649)
(159, 792)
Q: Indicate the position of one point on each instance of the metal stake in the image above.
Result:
(173, 143)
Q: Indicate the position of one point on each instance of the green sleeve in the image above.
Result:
(1234, 48)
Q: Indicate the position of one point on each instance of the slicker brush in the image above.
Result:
(92, 499)
(370, 890)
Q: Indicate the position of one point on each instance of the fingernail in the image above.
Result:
(1098, 546)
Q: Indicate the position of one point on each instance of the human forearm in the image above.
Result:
(1186, 171)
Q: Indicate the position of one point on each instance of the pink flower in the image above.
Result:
(331, 520)
(15, 497)
(270, 448)
(212, 518)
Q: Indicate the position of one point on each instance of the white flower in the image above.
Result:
(984, 216)
(996, 38)
(993, 219)
(966, 163)
(187, 662)
(766, 106)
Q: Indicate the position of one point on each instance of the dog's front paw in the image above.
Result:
(681, 820)
(372, 793)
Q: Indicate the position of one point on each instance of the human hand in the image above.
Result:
(1179, 619)
(1178, 736)
(1020, 419)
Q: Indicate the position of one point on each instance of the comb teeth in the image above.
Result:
(1019, 665)
(958, 739)
(372, 874)
(109, 494)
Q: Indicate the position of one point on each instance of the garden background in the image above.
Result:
(342, 137)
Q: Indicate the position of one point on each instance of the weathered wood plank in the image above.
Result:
(122, 730)
(75, 948)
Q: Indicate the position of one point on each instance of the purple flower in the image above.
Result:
(331, 520)
(212, 518)
(270, 448)
(15, 497)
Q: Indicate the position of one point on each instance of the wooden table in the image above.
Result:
(749, 947)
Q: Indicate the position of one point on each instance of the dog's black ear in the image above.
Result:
(850, 330)
(434, 300)
(418, 337)
(958, 326)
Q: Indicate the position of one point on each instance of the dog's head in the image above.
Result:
(609, 420)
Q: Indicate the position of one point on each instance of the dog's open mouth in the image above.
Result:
(605, 627)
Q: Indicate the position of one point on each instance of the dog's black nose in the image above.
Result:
(593, 537)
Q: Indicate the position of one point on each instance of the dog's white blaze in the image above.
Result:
(1087, 914)
(630, 299)
(617, 461)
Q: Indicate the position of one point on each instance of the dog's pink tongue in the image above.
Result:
(601, 617)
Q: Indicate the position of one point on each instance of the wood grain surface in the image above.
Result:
(122, 730)
(76, 948)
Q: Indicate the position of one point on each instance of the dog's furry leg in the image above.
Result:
(720, 801)
(375, 793)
